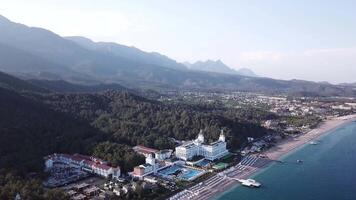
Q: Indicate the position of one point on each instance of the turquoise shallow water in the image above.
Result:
(328, 172)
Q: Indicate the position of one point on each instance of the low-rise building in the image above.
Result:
(163, 154)
(146, 151)
(86, 163)
(151, 166)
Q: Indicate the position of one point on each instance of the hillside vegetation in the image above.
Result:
(133, 120)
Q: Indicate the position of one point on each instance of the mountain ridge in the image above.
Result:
(15, 84)
(219, 67)
(152, 58)
(102, 67)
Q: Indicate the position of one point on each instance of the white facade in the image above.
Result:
(212, 151)
(187, 151)
(163, 154)
(86, 163)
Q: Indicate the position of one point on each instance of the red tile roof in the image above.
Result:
(144, 150)
(87, 160)
(101, 166)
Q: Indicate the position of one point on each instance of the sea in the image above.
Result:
(328, 172)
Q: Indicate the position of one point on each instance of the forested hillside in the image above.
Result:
(35, 123)
(16, 84)
(30, 130)
(133, 120)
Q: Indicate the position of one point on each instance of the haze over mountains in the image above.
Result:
(127, 52)
(349, 84)
(36, 53)
(219, 67)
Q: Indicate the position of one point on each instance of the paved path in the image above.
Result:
(220, 181)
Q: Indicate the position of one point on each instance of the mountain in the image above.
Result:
(152, 58)
(62, 86)
(35, 53)
(348, 84)
(24, 64)
(60, 51)
(219, 67)
(97, 64)
(246, 72)
(211, 66)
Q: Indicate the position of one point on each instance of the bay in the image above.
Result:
(328, 172)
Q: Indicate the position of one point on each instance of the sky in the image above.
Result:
(285, 39)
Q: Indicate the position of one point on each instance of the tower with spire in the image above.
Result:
(222, 136)
(200, 139)
(152, 161)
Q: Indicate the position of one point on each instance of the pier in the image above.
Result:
(219, 181)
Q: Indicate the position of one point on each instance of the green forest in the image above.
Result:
(105, 124)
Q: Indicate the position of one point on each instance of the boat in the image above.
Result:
(299, 161)
(313, 143)
(249, 183)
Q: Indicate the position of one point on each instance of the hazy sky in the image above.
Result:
(302, 39)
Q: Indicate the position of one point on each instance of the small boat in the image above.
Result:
(299, 161)
(313, 143)
(249, 183)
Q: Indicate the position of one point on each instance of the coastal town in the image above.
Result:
(177, 100)
(198, 169)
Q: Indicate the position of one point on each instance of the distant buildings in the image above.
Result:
(197, 147)
(86, 163)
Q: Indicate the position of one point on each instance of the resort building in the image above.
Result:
(146, 151)
(149, 167)
(197, 147)
(155, 160)
(152, 166)
(163, 154)
(86, 163)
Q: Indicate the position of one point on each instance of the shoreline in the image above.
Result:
(286, 146)
(282, 148)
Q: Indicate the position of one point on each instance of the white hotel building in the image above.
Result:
(197, 147)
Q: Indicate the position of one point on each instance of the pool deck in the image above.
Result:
(219, 182)
(190, 172)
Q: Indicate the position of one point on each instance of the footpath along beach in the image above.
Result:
(251, 164)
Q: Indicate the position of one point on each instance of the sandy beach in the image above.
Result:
(288, 145)
(227, 179)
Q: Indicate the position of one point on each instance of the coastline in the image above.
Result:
(288, 145)
(282, 148)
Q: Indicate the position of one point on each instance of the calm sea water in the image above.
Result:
(328, 172)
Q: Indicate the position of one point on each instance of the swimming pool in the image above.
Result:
(180, 172)
(190, 174)
(203, 163)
